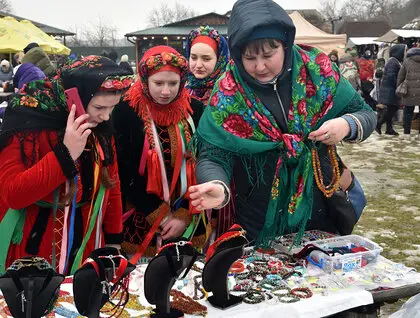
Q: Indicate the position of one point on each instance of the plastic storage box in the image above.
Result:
(347, 262)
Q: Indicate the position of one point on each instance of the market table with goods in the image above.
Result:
(320, 275)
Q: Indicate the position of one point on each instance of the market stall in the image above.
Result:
(15, 36)
(353, 41)
(306, 282)
(394, 34)
(308, 34)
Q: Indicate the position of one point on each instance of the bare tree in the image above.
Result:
(100, 34)
(164, 14)
(77, 39)
(330, 9)
(6, 6)
(332, 12)
(371, 9)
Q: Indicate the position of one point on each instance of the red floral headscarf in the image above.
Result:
(158, 59)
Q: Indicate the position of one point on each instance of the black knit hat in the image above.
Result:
(30, 46)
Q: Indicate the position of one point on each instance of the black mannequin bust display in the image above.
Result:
(91, 282)
(174, 258)
(30, 287)
(215, 272)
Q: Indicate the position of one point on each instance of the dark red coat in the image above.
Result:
(21, 187)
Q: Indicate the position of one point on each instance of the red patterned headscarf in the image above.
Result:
(158, 59)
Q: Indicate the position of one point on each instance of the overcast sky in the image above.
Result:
(126, 15)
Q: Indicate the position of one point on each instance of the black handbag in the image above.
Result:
(30, 287)
(346, 205)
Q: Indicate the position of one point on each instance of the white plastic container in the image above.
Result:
(347, 262)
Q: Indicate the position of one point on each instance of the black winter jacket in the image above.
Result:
(387, 95)
(410, 71)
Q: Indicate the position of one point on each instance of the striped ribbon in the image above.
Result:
(63, 249)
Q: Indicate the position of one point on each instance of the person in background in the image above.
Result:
(334, 57)
(27, 73)
(124, 64)
(55, 167)
(29, 47)
(349, 70)
(6, 72)
(366, 71)
(379, 73)
(72, 57)
(113, 55)
(36, 55)
(387, 94)
(208, 55)
(274, 107)
(384, 51)
(17, 61)
(410, 72)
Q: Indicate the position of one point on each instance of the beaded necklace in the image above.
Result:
(235, 231)
(186, 304)
(328, 190)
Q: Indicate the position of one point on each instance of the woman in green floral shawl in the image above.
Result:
(277, 107)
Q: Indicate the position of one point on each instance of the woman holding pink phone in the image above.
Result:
(59, 191)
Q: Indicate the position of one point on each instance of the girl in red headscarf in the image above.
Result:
(153, 127)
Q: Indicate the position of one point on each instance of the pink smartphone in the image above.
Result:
(73, 98)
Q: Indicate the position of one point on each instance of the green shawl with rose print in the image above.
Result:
(237, 125)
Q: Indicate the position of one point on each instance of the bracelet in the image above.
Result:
(257, 277)
(244, 285)
(269, 284)
(243, 275)
(281, 291)
(226, 193)
(270, 299)
(237, 267)
(253, 297)
(301, 292)
(288, 299)
(273, 277)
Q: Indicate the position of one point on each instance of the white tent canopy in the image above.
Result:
(392, 35)
(361, 41)
(306, 33)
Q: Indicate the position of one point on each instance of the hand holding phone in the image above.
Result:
(77, 129)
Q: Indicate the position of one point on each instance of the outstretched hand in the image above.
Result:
(207, 195)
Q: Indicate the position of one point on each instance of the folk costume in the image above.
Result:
(37, 171)
(201, 89)
(154, 164)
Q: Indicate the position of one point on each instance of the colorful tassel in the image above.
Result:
(154, 179)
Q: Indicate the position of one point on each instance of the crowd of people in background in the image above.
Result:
(388, 78)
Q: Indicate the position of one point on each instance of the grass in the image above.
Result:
(389, 170)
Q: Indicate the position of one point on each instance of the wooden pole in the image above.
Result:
(137, 51)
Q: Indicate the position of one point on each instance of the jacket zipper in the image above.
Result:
(281, 104)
